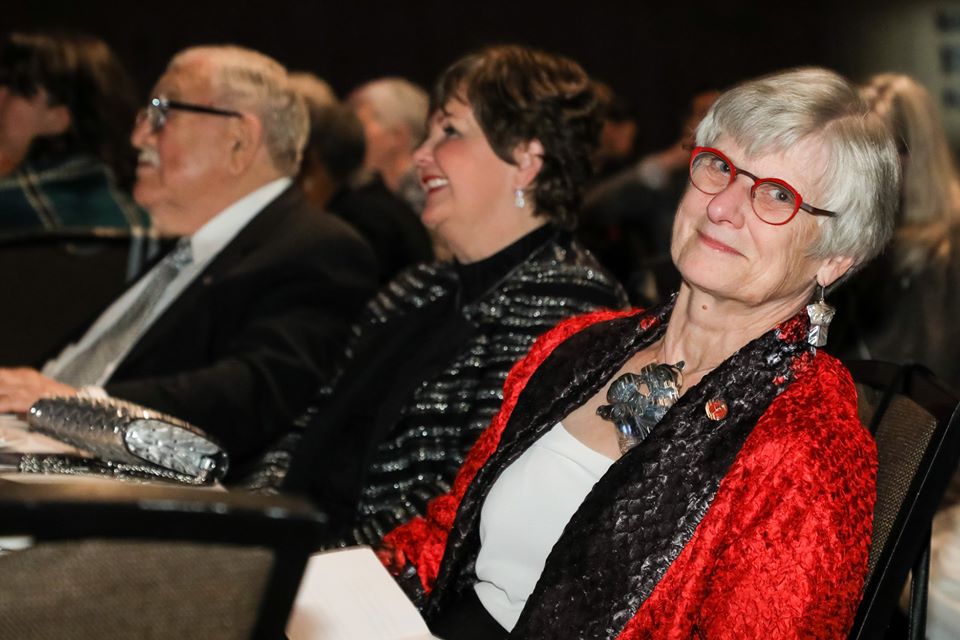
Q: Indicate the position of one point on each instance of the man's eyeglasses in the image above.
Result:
(774, 201)
(156, 111)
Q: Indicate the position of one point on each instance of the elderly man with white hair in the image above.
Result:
(239, 324)
(394, 116)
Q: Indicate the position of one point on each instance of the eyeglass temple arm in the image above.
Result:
(815, 211)
(196, 108)
(803, 205)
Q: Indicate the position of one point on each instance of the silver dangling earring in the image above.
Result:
(519, 199)
(821, 314)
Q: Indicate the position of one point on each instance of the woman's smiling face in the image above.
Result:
(721, 247)
(465, 180)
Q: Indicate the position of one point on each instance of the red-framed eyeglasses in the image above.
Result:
(774, 200)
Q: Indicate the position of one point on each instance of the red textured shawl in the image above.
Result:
(783, 548)
(422, 541)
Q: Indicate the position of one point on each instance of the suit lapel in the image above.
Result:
(255, 234)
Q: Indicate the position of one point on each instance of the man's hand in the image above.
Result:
(21, 387)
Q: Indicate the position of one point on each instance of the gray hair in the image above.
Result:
(396, 102)
(251, 81)
(861, 178)
(316, 91)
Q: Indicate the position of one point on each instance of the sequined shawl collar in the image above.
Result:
(644, 510)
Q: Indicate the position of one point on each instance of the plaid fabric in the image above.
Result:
(77, 193)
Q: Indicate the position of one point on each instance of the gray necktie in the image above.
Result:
(88, 365)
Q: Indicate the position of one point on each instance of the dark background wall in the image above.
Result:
(657, 54)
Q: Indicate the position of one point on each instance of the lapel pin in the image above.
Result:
(716, 409)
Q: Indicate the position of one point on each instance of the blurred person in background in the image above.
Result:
(394, 115)
(628, 215)
(321, 171)
(66, 109)
(618, 137)
(328, 176)
(903, 307)
(315, 90)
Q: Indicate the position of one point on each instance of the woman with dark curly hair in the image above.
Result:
(66, 110)
(509, 147)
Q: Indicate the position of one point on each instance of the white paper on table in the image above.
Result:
(943, 604)
(348, 595)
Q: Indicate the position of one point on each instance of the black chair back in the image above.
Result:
(106, 559)
(914, 419)
(54, 283)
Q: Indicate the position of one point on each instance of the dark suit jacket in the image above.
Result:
(243, 348)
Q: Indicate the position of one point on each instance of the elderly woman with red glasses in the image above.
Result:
(696, 470)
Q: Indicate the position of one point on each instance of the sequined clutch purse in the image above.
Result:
(126, 438)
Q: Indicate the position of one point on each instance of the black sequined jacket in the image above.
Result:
(425, 375)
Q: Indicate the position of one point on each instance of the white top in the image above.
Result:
(943, 605)
(524, 514)
(206, 243)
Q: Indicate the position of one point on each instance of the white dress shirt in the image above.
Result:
(206, 244)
